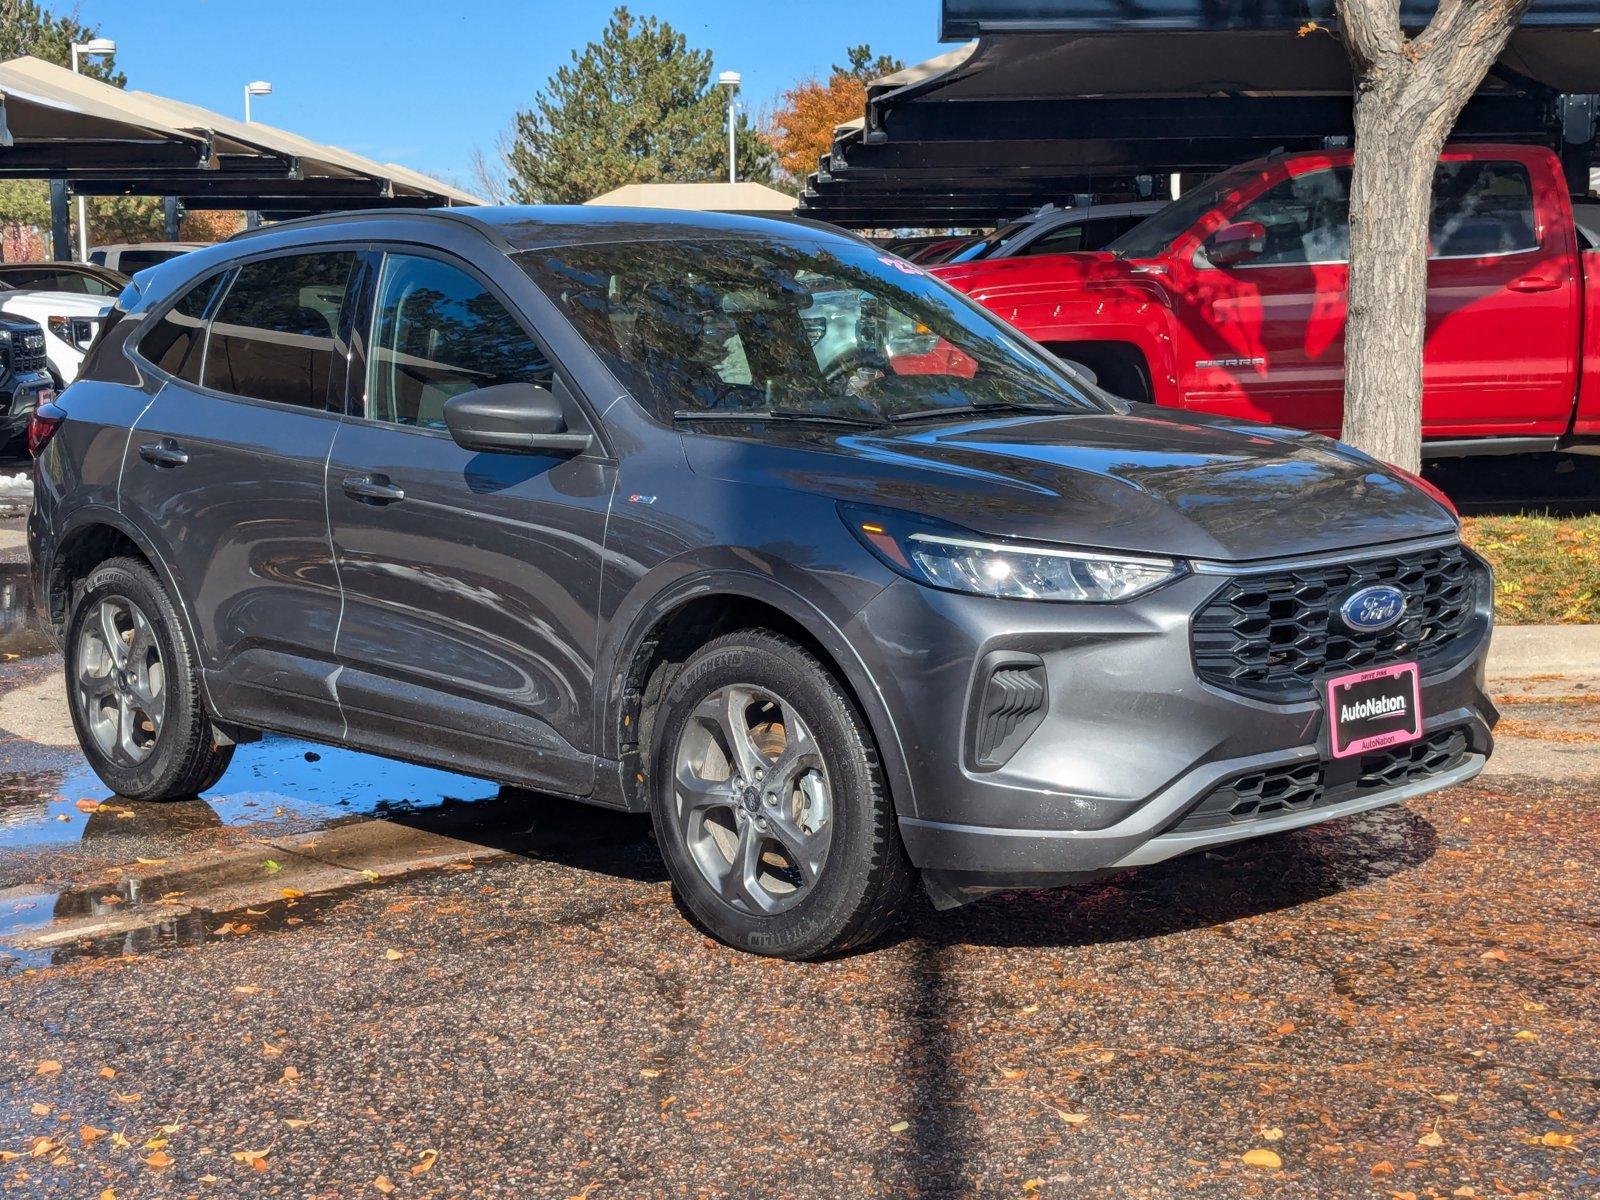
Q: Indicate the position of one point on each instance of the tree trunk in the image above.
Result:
(1408, 93)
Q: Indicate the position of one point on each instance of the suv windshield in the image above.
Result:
(737, 324)
(1157, 231)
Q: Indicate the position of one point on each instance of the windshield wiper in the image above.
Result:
(774, 414)
(967, 410)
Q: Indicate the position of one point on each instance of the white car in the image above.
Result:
(129, 257)
(70, 323)
(1053, 230)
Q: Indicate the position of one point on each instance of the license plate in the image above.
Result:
(1370, 710)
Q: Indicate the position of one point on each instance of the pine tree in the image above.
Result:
(638, 106)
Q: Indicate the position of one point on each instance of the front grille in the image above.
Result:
(1272, 635)
(1260, 795)
(26, 353)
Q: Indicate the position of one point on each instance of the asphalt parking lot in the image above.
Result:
(341, 977)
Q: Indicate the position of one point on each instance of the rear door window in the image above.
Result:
(275, 336)
(1482, 208)
(176, 343)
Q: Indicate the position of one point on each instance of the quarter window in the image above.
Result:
(275, 334)
(176, 344)
(438, 332)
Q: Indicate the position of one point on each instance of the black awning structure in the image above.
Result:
(104, 141)
(1057, 98)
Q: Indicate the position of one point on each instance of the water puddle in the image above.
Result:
(21, 635)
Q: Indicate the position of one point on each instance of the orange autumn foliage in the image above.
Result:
(802, 126)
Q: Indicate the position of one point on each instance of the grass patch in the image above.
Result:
(1546, 569)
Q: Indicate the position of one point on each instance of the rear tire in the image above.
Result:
(769, 804)
(133, 688)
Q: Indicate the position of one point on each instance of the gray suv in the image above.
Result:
(747, 525)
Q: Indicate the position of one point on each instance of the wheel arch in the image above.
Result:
(693, 611)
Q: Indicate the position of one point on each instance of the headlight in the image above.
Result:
(76, 332)
(946, 557)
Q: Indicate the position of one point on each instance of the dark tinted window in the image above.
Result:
(176, 343)
(1058, 241)
(1481, 208)
(437, 332)
(130, 261)
(275, 335)
(54, 280)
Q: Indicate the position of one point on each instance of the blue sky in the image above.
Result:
(424, 83)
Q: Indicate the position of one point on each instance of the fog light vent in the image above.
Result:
(1012, 702)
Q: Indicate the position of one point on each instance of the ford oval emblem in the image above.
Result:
(1373, 609)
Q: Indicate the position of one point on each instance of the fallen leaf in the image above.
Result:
(1533, 1006)
(371, 875)
(159, 1160)
(1012, 1074)
(48, 1067)
(9, 1156)
(289, 1075)
(1030, 1008)
(87, 806)
(268, 1050)
(1447, 1098)
(42, 1146)
(154, 1144)
(383, 1185)
(1383, 1168)
(1526, 1035)
(900, 1127)
(1262, 1158)
(1272, 1135)
(292, 893)
(118, 1142)
(1558, 1141)
(108, 1194)
(394, 955)
(649, 1072)
(1032, 1185)
(1430, 1140)
(425, 1162)
(107, 1073)
(246, 989)
(296, 1122)
(1493, 956)
(1072, 1118)
(1286, 1028)
(90, 1134)
(130, 1097)
(152, 862)
(257, 1159)
(40, 1110)
(272, 866)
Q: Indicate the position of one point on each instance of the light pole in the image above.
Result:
(93, 48)
(256, 87)
(259, 87)
(730, 80)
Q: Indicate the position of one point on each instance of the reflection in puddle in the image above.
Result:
(21, 635)
(271, 782)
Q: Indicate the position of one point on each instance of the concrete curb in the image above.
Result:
(1518, 651)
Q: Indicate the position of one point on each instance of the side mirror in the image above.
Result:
(512, 418)
(1236, 243)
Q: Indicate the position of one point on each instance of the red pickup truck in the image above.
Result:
(1232, 300)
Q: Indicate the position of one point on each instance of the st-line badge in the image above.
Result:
(1374, 709)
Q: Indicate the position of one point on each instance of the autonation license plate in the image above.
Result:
(1369, 710)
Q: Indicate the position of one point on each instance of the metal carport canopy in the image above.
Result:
(103, 140)
(1057, 97)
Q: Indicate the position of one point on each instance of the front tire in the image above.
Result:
(133, 688)
(769, 804)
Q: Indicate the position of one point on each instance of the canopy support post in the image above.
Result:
(60, 222)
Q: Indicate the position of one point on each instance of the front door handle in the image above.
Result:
(1535, 283)
(165, 453)
(372, 489)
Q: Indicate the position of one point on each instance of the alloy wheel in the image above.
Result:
(751, 799)
(120, 680)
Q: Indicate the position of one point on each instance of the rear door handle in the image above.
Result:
(372, 489)
(165, 453)
(1535, 283)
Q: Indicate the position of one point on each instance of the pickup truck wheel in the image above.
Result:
(133, 688)
(769, 805)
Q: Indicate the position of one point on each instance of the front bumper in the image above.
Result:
(1132, 741)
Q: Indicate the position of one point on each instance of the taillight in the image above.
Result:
(1432, 489)
(42, 426)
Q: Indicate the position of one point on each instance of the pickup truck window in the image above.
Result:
(1307, 219)
(1155, 233)
(1482, 208)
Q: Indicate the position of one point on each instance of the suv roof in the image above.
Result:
(531, 226)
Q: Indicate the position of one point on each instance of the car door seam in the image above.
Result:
(338, 580)
(127, 445)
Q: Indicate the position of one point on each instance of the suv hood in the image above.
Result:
(55, 304)
(1189, 487)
